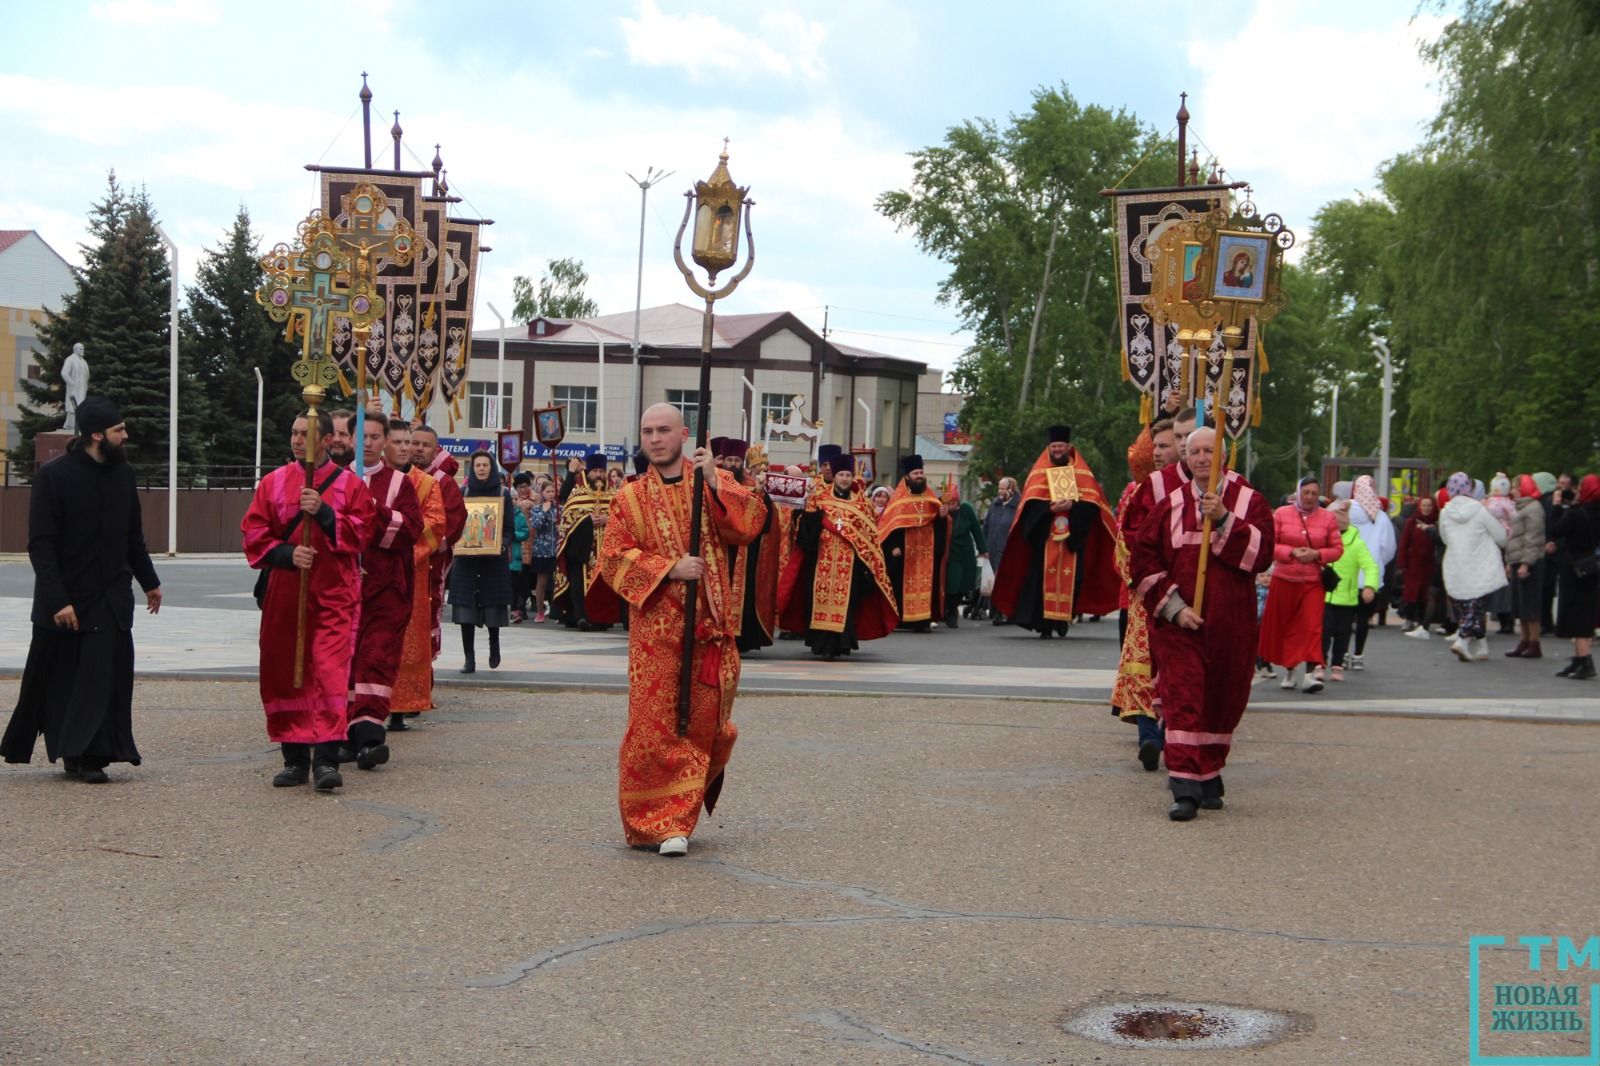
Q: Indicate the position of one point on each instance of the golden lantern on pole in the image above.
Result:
(716, 205)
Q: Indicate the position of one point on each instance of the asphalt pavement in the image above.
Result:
(885, 881)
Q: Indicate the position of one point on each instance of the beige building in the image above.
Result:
(32, 278)
(768, 367)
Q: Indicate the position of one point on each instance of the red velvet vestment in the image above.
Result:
(314, 713)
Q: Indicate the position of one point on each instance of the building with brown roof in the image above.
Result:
(764, 366)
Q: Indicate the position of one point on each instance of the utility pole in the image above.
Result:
(172, 402)
(651, 178)
(1383, 432)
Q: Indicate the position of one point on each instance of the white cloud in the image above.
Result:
(1307, 111)
(786, 45)
(147, 12)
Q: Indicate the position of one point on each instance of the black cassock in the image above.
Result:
(86, 544)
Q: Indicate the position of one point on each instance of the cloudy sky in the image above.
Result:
(543, 107)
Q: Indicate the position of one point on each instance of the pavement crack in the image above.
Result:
(898, 911)
(853, 1030)
(409, 825)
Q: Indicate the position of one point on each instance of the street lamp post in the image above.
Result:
(716, 205)
(1382, 348)
(261, 400)
(172, 401)
(500, 371)
(651, 178)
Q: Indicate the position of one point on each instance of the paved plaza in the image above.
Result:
(887, 881)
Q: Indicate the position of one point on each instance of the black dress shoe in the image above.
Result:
(71, 768)
(1211, 803)
(372, 756)
(397, 723)
(1182, 810)
(1150, 755)
(469, 667)
(93, 775)
(328, 778)
(291, 775)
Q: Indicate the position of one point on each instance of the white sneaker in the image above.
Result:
(1419, 633)
(1480, 649)
(1459, 647)
(674, 846)
(1358, 662)
(1289, 679)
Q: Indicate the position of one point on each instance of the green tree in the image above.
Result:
(119, 312)
(1496, 272)
(1016, 213)
(560, 293)
(225, 335)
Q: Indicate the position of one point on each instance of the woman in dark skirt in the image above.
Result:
(1578, 595)
(480, 585)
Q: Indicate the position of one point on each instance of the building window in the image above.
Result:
(774, 407)
(482, 410)
(687, 401)
(582, 403)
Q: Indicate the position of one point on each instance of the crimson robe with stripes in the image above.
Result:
(387, 575)
(1203, 676)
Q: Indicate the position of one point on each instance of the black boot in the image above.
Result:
(470, 666)
(1585, 672)
(325, 768)
(494, 647)
(1183, 809)
(952, 617)
(1571, 668)
(1211, 794)
(296, 766)
(397, 723)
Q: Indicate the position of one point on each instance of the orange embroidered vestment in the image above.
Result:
(915, 523)
(665, 779)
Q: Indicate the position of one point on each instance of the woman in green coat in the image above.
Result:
(966, 548)
(1358, 581)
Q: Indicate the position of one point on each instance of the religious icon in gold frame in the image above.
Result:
(482, 534)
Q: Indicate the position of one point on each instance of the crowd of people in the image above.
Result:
(1215, 589)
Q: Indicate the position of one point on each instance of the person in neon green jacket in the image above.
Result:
(1358, 581)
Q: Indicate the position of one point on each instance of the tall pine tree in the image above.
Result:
(119, 312)
(225, 335)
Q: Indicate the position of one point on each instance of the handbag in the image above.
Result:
(1330, 576)
(262, 575)
(985, 577)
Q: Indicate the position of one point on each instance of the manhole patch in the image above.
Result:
(1174, 1024)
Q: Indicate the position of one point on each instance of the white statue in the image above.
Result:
(75, 383)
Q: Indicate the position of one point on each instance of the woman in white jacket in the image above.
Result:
(1473, 564)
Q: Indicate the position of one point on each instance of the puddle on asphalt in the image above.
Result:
(1155, 1024)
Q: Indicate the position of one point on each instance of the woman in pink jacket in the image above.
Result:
(1307, 539)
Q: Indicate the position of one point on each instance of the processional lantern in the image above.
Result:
(716, 205)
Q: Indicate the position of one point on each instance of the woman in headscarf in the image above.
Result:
(1306, 540)
(1473, 565)
(480, 585)
(880, 499)
(1525, 567)
(1358, 583)
(1372, 523)
(1578, 531)
(1415, 561)
(1500, 505)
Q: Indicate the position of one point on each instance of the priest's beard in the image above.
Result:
(597, 484)
(113, 454)
(341, 455)
(917, 485)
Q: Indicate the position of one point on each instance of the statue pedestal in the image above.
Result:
(50, 445)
